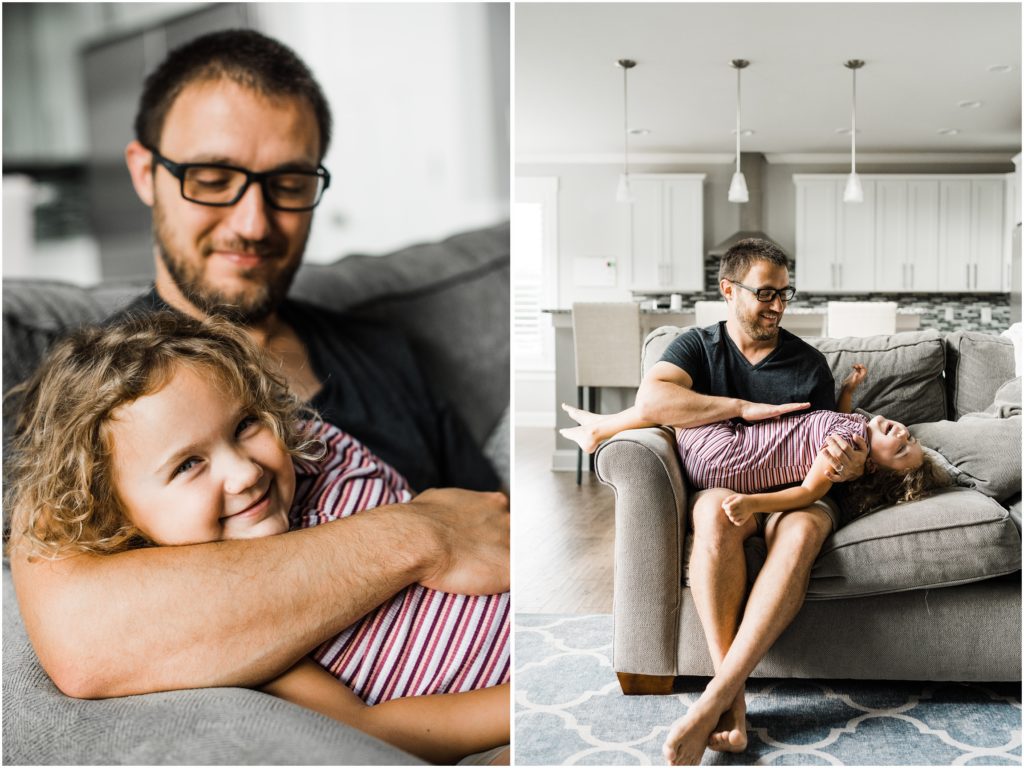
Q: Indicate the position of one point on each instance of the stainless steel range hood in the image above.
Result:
(751, 213)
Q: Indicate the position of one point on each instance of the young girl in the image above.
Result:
(162, 430)
(757, 459)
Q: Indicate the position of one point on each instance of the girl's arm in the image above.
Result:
(739, 507)
(844, 403)
(442, 728)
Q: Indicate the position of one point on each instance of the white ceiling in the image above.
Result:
(922, 59)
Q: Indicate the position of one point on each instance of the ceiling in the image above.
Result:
(922, 60)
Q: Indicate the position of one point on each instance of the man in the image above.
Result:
(748, 368)
(231, 131)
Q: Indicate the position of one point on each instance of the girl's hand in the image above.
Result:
(738, 508)
(855, 377)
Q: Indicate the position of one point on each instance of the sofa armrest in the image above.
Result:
(643, 468)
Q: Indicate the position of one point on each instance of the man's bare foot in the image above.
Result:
(688, 736)
(730, 734)
(579, 415)
(582, 436)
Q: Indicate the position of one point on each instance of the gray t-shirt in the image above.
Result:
(793, 372)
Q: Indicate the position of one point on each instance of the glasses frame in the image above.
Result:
(178, 171)
(774, 291)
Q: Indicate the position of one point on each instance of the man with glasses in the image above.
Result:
(230, 135)
(749, 368)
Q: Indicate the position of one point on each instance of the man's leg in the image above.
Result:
(718, 583)
(794, 540)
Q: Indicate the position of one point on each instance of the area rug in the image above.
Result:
(570, 711)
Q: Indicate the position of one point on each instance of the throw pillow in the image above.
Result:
(984, 447)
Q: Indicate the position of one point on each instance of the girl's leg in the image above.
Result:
(595, 428)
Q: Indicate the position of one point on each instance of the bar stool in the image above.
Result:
(709, 312)
(606, 342)
(861, 318)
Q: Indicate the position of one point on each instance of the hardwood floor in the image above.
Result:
(563, 534)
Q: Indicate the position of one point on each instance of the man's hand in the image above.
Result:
(761, 411)
(855, 377)
(846, 462)
(472, 532)
(738, 508)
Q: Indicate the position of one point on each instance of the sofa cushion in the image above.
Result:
(984, 447)
(954, 537)
(976, 365)
(904, 380)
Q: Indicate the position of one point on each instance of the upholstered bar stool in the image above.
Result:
(606, 340)
(709, 312)
(861, 318)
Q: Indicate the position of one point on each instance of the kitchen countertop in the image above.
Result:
(689, 309)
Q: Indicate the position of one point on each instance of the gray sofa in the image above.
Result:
(452, 298)
(929, 590)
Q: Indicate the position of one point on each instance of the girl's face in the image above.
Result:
(190, 465)
(892, 445)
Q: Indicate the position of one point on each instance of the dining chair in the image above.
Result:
(860, 318)
(710, 312)
(606, 344)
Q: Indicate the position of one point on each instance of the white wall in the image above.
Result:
(418, 151)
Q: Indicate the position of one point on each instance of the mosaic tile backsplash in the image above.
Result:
(966, 307)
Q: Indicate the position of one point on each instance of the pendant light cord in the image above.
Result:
(625, 121)
(738, 71)
(853, 131)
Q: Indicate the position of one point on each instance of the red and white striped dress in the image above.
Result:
(750, 458)
(421, 641)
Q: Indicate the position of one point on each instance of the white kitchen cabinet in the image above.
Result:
(667, 232)
(911, 233)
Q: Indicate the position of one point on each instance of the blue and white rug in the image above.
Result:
(570, 711)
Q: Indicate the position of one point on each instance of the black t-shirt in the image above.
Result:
(794, 372)
(373, 388)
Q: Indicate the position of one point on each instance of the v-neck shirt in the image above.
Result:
(792, 372)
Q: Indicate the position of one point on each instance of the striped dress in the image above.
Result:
(420, 641)
(750, 458)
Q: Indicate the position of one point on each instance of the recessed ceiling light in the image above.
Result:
(948, 131)
(970, 104)
(640, 131)
(743, 132)
(1000, 68)
(845, 131)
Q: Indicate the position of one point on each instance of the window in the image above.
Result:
(534, 272)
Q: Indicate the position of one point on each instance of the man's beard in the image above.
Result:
(242, 307)
(756, 331)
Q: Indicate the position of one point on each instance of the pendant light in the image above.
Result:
(624, 194)
(854, 192)
(738, 188)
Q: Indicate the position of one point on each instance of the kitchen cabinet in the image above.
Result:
(911, 233)
(667, 232)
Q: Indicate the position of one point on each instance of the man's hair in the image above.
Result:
(248, 58)
(59, 481)
(885, 487)
(738, 260)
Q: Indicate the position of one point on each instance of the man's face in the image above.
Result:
(758, 319)
(243, 256)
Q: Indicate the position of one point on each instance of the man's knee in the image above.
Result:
(801, 532)
(711, 526)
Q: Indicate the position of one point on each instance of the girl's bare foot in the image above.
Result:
(579, 415)
(730, 734)
(582, 436)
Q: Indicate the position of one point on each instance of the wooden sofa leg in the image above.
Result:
(645, 685)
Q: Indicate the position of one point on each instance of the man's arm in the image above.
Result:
(241, 612)
(666, 396)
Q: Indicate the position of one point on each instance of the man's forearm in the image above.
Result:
(675, 406)
(227, 613)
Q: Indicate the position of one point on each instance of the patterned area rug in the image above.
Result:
(570, 711)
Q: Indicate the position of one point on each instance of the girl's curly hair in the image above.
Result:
(59, 484)
(885, 487)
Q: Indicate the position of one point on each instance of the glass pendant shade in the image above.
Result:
(738, 189)
(624, 193)
(854, 192)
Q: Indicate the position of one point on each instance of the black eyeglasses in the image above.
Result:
(767, 295)
(223, 185)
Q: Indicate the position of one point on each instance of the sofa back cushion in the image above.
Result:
(977, 364)
(905, 370)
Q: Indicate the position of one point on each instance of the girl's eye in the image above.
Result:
(246, 423)
(185, 466)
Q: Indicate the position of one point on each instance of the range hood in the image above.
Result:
(751, 214)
